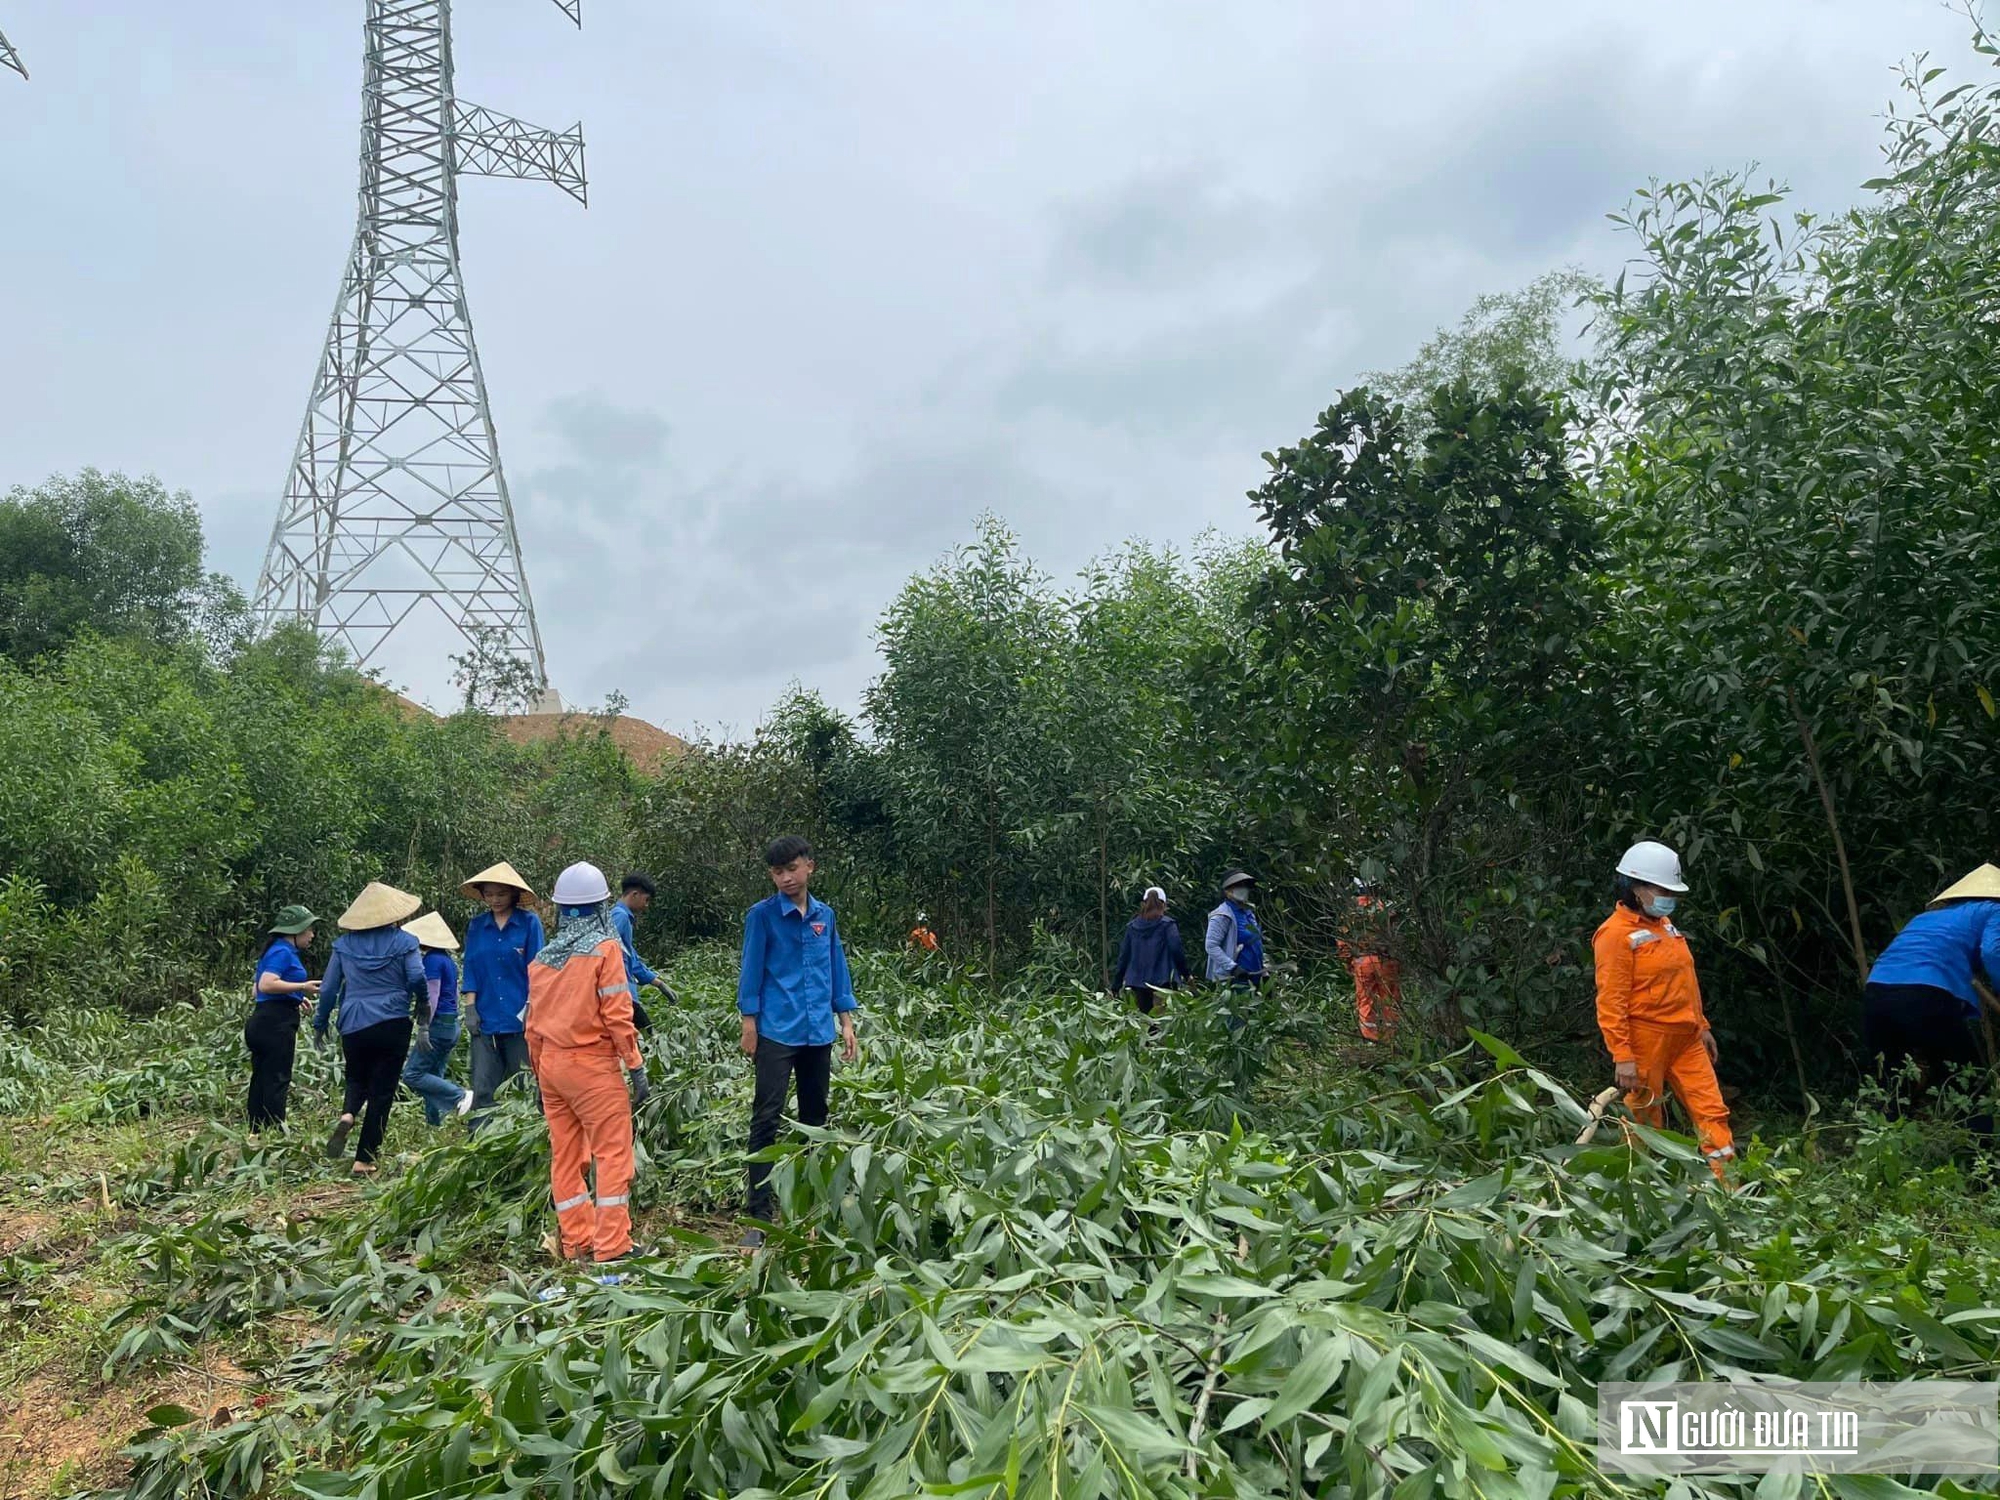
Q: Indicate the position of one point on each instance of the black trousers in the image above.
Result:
(777, 1066)
(1901, 1022)
(375, 1056)
(272, 1035)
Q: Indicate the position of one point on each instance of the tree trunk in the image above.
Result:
(1103, 896)
(992, 933)
(1833, 827)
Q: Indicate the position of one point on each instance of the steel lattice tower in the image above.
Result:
(9, 58)
(396, 494)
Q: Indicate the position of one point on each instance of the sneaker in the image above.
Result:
(362, 1169)
(337, 1142)
(752, 1241)
(464, 1105)
(550, 1293)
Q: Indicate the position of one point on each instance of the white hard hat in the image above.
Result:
(581, 885)
(1653, 864)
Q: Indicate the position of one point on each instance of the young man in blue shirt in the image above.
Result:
(635, 894)
(793, 994)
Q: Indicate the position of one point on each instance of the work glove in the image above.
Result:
(319, 1038)
(641, 1089)
(468, 1020)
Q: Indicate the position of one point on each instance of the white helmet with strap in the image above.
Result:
(1652, 863)
(581, 885)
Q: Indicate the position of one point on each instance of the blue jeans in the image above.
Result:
(424, 1072)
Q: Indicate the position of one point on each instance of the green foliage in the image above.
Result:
(107, 555)
(1801, 492)
(1029, 1256)
(1423, 633)
(1505, 338)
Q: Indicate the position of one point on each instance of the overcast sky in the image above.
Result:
(854, 271)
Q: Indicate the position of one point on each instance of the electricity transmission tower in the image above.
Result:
(9, 58)
(396, 497)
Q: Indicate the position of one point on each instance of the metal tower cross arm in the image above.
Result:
(9, 58)
(491, 144)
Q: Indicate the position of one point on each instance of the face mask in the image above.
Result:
(1660, 906)
(1240, 894)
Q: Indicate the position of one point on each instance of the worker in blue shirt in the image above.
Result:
(1920, 1002)
(793, 992)
(436, 1031)
(493, 983)
(375, 981)
(635, 895)
(283, 996)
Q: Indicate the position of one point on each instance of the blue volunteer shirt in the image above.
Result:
(794, 978)
(283, 960)
(1944, 949)
(635, 967)
(370, 978)
(441, 975)
(496, 968)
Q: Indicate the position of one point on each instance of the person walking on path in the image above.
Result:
(635, 894)
(1649, 1003)
(499, 942)
(375, 981)
(579, 1029)
(793, 992)
(282, 997)
(1151, 958)
(437, 1030)
(1921, 1003)
(1234, 941)
(1378, 976)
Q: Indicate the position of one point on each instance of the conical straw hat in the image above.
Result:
(1982, 884)
(432, 931)
(380, 905)
(500, 874)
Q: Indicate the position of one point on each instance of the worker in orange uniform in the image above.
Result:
(579, 1028)
(922, 939)
(1649, 1004)
(1378, 978)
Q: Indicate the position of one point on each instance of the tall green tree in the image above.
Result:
(107, 554)
(964, 648)
(1801, 488)
(1420, 685)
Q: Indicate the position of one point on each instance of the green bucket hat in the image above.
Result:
(293, 920)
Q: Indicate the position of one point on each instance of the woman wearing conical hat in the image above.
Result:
(375, 981)
(493, 984)
(1920, 1003)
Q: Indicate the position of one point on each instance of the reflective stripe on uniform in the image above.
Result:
(569, 1203)
(615, 1201)
(1720, 1151)
(613, 989)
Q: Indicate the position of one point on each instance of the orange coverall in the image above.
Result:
(1378, 981)
(579, 1026)
(1649, 1009)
